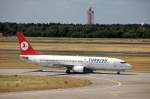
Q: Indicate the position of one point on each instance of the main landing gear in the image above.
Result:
(118, 72)
(68, 71)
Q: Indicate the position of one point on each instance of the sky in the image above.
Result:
(74, 11)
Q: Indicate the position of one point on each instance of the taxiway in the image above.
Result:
(106, 85)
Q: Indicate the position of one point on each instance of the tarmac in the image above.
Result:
(106, 85)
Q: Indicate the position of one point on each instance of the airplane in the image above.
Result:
(73, 64)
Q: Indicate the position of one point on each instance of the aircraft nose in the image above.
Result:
(128, 65)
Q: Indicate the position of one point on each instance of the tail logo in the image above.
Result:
(24, 46)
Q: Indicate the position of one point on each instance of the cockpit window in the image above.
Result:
(123, 62)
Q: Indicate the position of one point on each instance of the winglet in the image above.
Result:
(25, 47)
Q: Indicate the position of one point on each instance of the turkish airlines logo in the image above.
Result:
(24, 46)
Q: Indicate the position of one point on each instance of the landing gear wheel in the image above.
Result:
(118, 72)
(68, 71)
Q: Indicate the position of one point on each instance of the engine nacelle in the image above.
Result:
(81, 69)
(78, 69)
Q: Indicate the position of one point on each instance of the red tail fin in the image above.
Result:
(25, 47)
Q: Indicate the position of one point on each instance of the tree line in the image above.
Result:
(77, 30)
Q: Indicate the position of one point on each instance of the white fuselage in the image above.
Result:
(93, 63)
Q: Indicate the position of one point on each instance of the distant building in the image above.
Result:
(90, 16)
(143, 26)
(142, 23)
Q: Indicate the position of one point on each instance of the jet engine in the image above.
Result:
(81, 69)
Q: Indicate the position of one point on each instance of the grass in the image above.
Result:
(24, 83)
(10, 59)
(139, 63)
(82, 44)
(81, 47)
(48, 39)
